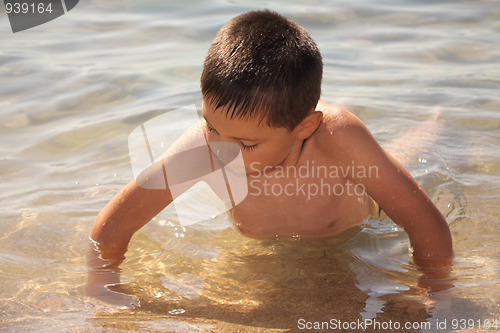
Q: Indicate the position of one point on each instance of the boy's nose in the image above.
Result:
(224, 151)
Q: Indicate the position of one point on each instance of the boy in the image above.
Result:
(313, 169)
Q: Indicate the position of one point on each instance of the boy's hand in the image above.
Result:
(436, 274)
(104, 272)
(104, 294)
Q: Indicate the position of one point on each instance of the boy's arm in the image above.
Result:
(399, 195)
(126, 213)
(129, 211)
(111, 232)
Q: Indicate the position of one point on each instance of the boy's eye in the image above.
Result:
(210, 128)
(243, 146)
(248, 148)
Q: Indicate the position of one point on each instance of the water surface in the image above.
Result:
(74, 89)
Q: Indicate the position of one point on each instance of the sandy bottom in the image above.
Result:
(252, 291)
(276, 312)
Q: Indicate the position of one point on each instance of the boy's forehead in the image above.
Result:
(223, 114)
(252, 128)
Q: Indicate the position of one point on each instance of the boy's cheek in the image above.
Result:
(253, 166)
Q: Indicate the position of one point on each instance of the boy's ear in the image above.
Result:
(308, 125)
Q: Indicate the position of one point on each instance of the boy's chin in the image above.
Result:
(253, 171)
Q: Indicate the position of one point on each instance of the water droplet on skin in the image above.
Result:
(176, 311)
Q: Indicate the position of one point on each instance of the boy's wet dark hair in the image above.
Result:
(263, 65)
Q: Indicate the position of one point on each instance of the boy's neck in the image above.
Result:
(294, 156)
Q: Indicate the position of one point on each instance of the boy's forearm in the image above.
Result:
(126, 213)
(433, 253)
(430, 239)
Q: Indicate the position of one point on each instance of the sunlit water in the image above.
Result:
(72, 91)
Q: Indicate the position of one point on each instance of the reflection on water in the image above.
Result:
(75, 88)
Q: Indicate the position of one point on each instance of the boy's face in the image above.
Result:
(261, 146)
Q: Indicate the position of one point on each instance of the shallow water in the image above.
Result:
(74, 89)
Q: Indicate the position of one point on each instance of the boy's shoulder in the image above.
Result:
(336, 117)
(339, 128)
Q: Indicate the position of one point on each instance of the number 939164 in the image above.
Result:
(28, 8)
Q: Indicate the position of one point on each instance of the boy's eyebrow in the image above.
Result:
(244, 139)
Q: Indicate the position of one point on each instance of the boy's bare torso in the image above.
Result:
(314, 198)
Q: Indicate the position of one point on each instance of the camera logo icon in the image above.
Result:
(26, 14)
(171, 152)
